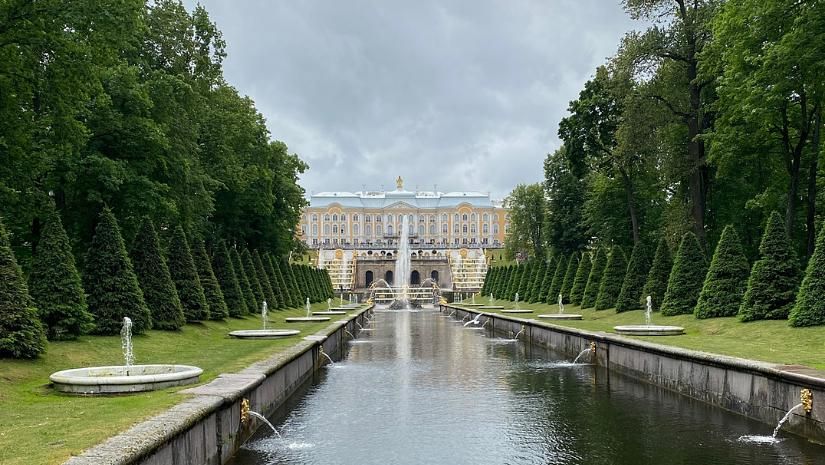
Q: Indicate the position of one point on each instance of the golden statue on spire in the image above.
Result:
(399, 183)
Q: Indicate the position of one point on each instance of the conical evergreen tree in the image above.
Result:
(263, 277)
(254, 282)
(211, 289)
(500, 290)
(519, 272)
(294, 296)
(686, 278)
(612, 279)
(55, 284)
(303, 292)
(726, 279)
(274, 280)
(327, 280)
(535, 287)
(185, 276)
(155, 281)
(524, 281)
(630, 297)
(657, 277)
(594, 280)
(228, 281)
(488, 277)
(580, 281)
(110, 282)
(774, 278)
(809, 309)
(21, 334)
(569, 277)
(547, 279)
(243, 280)
(553, 292)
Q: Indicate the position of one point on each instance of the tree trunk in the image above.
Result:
(793, 192)
(698, 183)
(812, 172)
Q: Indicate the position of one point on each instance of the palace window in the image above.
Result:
(326, 217)
(455, 228)
(473, 217)
(444, 229)
(495, 229)
(473, 228)
(334, 229)
(389, 230)
(314, 229)
(455, 218)
(420, 229)
(432, 229)
(432, 218)
(464, 229)
(378, 230)
(343, 228)
(355, 217)
(377, 218)
(368, 218)
(495, 217)
(326, 230)
(411, 218)
(368, 230)
(444, 218)
(334, 217)
(355, 229)
(506, 228)
(421, 219)
(315, 217)
(485, 229)
(389, 218)
(485, 217)
(303, 229)
(343, 217)
(464, 217)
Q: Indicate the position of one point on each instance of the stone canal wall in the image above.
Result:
(759, 390)
(207, 427)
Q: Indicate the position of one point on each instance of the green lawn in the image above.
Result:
(770, 341)
(40, 426)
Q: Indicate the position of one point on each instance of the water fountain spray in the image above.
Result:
(126, 343)
(264, 313)
(492, 299)
(516, 301)
(648, 309)
(308, 307)
(561, 304)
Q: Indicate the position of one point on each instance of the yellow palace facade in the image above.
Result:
(373, 219)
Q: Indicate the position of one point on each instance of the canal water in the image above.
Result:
(422, 389)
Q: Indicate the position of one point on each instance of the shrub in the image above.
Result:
(211, 289)
(535, 286)
(554, 290)
(185, 276)
(264, 280)
(594, 280)
(630, 297)
(686, 278)
(580, 281)
(155, 281)
(809, 309)
(254, 282)
(289, 280)
(228, 281)
(243, 281)
(55, 285)
(275, 281)
(546, 280)
(569, 277)
(112, 288)
(726, 278)
(657, 277)
(612, 279)
(21, 334)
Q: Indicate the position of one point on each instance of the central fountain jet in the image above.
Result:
(403, 269)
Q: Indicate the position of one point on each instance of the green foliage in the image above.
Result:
(185, 276)
(155, 281)
(565, 230)
(594, 280)
(547, 279)
(55, 284)
(527, 216)
(263, 278)
(612, 279)
(726, 278)
(657, 277)
(244, 282)
(224, 270)
(21, 334)
(630, 297)
(501, 286)
(580, 281)
(774, 278)
(211, 289)
(112, 288)
(275, 280)
(254, 281)
(569, 277)
(289, 281)
(524, 280)
(299, 280)
(686, 278)
(535, 286)
(558, 280)
(809, 309)
(518, 273)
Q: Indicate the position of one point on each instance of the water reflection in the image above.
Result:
(427, 391)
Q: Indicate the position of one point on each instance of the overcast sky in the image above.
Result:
(465, 94)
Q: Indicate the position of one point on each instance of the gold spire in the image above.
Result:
(399, 183)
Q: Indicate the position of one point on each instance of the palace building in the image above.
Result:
(357, 236)
(373, 219)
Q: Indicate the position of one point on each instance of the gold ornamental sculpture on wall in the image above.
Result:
(399, 183)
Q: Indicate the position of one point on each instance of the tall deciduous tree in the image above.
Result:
(527, 215)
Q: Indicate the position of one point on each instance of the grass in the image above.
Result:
(770, 341)
(41, 426)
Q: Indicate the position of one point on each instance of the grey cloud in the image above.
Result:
(463, 94)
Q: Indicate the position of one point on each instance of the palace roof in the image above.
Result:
(401, 199)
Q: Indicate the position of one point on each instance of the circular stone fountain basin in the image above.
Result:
(491, 307)
(341, 308)
(562, 316)
(263, 333)
(306, 319)
(473, 305)
(516, 310)
(330, 312)
(649, 330)
(114, 379)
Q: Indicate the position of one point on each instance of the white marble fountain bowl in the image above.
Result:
(649, 330)
(562, 316)
(306, 319)
(263, 333)
(331, 312)
(114, 379)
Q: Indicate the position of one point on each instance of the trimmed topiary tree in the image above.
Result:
(185, 276)
(21, 334)
(286, 273)
(243, 281)
(657, 277)
(263, 277)
(277, 287)
(211, 289)
(547, 279)
(518, 270)
(580, 281)
(303, 292)
(809, 309)
(524, 282)
(594, 280)
(535, 287)
(55, 284)
(630, 297)
(726, 279)
(612, 279)
(110, 282)
(488, 278)
(774, 278)
(501, 286)
(553, 292)
(254, 282)
(686, 278)
(569, 277)
(228, 281)
(155, 281)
